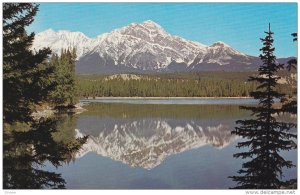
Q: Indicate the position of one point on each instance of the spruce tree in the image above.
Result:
(27, 81)
(264, 135)
(65, 93)
(292, 63)
(25, 72)
(290, 103)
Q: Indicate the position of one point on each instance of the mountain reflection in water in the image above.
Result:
(130, 146)
(125, 143)
(146, 139)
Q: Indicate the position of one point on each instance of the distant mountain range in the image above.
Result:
(145, 47)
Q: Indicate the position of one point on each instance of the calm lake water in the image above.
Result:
(214, 101)
(153, 144)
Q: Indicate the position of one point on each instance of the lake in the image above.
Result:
(174, 100)
(157, 144)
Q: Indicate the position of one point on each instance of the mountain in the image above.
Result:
(64, 39)
(141, 47)
(220, 56)
(147, 143)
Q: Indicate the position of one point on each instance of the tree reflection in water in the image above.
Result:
(27, 148)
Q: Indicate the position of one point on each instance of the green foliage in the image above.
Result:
(290, 103)
(28, 80)
(65, 93)
(265, 135)
(194, 84)
(163, 87)
(26, 75)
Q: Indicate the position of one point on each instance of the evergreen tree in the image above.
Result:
(290, 103)
(293, 62)
(65, 93)
(27, 81)
(25, 73)
(265, 135)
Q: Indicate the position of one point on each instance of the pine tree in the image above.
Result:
(265, 135)
(25, 73)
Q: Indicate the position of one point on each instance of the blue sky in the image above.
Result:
(237, 24)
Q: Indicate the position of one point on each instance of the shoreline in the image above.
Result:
(50, 111)
(157, 98)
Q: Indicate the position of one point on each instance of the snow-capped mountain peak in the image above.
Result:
(220, 43)
(224, 48)
(63, 39)
(49, 31)
(140, 47)
(151, 23)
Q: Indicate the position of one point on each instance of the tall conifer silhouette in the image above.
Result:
(264, 135)
(27, 142)
(25, 74)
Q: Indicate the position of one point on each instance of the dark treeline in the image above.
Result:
(161, 87)
(93, 86)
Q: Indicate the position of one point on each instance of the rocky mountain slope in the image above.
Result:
(144, 47)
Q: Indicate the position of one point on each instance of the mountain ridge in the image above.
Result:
(144, 47)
